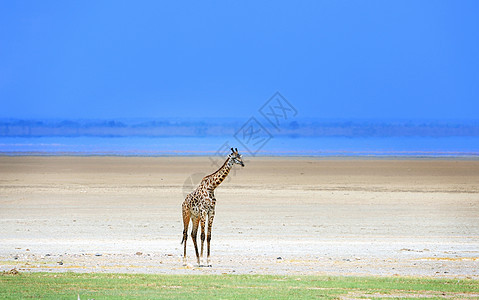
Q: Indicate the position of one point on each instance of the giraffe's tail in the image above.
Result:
(185, 236)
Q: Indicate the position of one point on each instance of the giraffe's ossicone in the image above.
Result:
(199, 205)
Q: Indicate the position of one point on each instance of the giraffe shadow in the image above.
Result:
(190, 266)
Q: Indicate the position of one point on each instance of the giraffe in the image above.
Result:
(200, 205)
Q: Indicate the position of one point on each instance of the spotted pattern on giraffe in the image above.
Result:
(199, 206)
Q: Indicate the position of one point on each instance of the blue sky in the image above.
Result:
(408, 60)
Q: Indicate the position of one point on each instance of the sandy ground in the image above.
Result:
(275, 216)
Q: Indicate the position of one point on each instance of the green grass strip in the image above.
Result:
(151, 286)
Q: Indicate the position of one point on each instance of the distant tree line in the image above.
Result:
(185, 128)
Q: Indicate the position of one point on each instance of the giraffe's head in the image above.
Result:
(236, 157)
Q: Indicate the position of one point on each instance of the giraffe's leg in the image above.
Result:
(194, 232)
(186, 222)
(211, 216)
(202, 225)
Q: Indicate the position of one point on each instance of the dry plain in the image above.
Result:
(316, 216)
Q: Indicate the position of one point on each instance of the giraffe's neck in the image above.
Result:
(219, 176)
